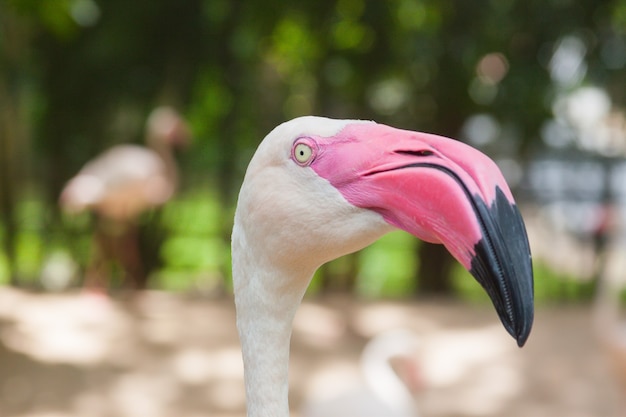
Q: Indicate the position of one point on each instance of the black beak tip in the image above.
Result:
(521, 339)
(522, 330)
(525, 324)
(511, 294)
(518, 324)
(519, 329)
(503, 265)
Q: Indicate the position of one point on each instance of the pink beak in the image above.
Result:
(441, 191)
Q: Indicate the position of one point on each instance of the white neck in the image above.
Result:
(264, 322)
(282, 233)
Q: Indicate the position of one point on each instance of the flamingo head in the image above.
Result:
(319, 188)
(165, 126)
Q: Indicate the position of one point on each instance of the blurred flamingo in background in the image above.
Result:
(390, 381)
(121, 184)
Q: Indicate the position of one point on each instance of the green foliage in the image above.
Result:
(294, 48)
(212, 101)
(29, 254)
(552, 286)
(194, 253)
(387, 267)
(54, 15)
(83, 74)
(619, 15)
(5, 270)
(196, 214)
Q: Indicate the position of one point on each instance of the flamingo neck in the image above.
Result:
(266, 301)
(166, 153)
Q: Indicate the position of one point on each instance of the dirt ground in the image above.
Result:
(165, 355)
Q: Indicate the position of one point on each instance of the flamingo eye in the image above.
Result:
(302, 153)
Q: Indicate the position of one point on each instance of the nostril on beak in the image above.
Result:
(418, 153)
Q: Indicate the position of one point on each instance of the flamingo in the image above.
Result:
(121, 184)
(319, 188)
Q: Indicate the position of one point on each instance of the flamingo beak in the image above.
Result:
(441, 191)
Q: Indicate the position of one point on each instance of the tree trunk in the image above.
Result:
(434, 270)
(341, 278)
(7, 190)
(12, 137)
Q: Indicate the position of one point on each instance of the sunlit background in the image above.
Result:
(131, 314)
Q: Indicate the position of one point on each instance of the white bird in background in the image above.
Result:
(319, 188)
(121, 184)
(391, 379)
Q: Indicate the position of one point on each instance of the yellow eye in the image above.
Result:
(302, 153)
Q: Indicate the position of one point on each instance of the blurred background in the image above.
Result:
(117, 301)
